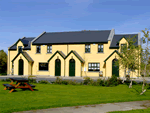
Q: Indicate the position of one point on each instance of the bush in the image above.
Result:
(43, 82)
(119, 81)
(31, 80)
(6, 80)
(100, 82)
(72, 82)
(66, 82)
(58, 80)
(87, 80)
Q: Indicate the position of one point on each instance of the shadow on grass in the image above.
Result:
(24, 90)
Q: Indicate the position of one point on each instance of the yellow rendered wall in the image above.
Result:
(77, 65)
(92, 57)
(52, 65)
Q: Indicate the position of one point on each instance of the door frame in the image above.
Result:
(59, 67)
(19, 66)
(113, 61)
(74, 67)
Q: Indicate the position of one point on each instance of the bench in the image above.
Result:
(8, 86)
(31, 85)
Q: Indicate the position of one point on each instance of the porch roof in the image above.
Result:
(26, 55)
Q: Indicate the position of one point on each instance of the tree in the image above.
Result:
(145, 57)
(3, 62)
(129, 57)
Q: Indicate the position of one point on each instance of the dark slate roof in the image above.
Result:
(26, 55)
(116, 39)
(72, 37)
(26, 42)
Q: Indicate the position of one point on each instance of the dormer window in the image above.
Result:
(123, 46)
(38, 49)
(19, 49)
(87, 48)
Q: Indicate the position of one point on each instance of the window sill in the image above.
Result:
(86, 53)
(43, 70)
(94, 71)
(37, 53)
(48, 53)
(100, 52)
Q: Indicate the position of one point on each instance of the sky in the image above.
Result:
(29, 18)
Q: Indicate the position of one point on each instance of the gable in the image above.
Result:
(77, 55)
(116, 39)
(57, 52)
(111, 55)
(26, 55)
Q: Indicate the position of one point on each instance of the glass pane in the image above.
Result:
(51, 47)
(101, 46)
(50, 50)
(48, 47)
(92, 65)
(89, 46)
(89, 64)
(98, 65)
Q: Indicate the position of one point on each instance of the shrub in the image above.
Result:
(119, 81)
(72, 82)
(58, 80)
(87, 80)
(31, 80)
(100, 82)
(66, 82)
(43, 82)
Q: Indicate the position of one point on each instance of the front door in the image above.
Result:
(115, 68)
(20, 67)
(57, 67)
(72, 67)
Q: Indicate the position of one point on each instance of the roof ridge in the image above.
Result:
(77, 31)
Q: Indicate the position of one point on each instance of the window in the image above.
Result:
(87, 48)
(19, 49)
(43, 66)
(123, 45)
(100, 48)
(94, 67)
(38, 49)
(49, 48)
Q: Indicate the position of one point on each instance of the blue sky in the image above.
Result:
(29, 18)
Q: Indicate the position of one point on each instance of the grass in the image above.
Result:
(133, 111)
(52, 95)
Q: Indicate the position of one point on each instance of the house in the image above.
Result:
(73, 54)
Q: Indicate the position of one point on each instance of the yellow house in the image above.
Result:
(68, 54)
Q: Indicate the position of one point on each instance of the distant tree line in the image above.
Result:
(3, 63)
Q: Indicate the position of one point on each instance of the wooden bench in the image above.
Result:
(12, 88)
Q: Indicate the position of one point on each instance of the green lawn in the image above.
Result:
(50, 95)
(133, 111)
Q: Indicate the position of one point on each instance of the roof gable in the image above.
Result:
(60, 53)
(115, 51)
(26, 55)
(117, 38)
(77, 55)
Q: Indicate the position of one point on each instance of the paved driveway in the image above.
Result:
(97, 108)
